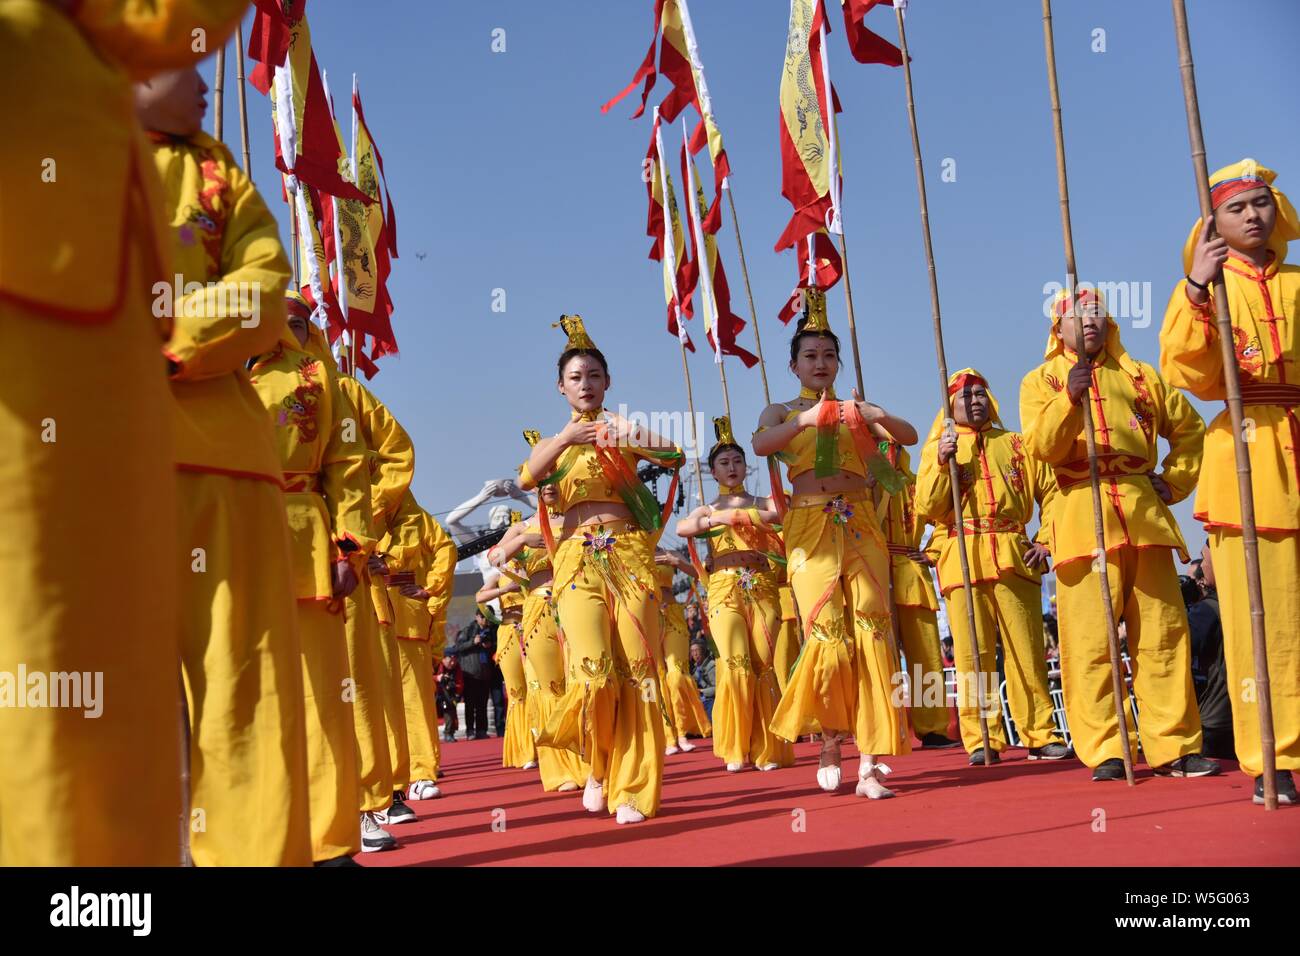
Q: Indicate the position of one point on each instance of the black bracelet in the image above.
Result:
(1192, 282)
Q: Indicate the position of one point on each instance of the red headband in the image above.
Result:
(963, 380)
(1230, 187)
(1081, 298)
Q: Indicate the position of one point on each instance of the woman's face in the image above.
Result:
(729, 467)
(697, 654)
(550, 494)
(584, 383)
(816, 363)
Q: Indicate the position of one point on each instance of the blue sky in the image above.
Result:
(505, 175)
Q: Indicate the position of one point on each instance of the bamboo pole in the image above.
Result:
(218, 89)
(1071, 274)
(243, 105)
(183, 716)
(722, 373)
(690, 406)
(749, 293)
(848, 301)
(1232, 384)
(954, 480)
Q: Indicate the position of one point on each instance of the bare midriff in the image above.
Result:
(582, 513)
(739, 559)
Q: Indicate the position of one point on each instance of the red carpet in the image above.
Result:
(1014, 814)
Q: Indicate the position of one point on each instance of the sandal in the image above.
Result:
(870, 777)
(828, 763)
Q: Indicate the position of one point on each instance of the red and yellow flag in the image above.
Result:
(664, 226)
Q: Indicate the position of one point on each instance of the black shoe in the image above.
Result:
(338, 861)
(1189, 765)
(938, 742)
(399, 812)
(1285, 789)
(480, 736)
(1052, 751)
(1112, 769)
(977, 757)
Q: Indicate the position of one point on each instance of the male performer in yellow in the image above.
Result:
(1254, 222)
(87, 482)
(388, 474)
(915, 607)
(238, 626)
(327, 500)
(1132, 407)
(999, 486)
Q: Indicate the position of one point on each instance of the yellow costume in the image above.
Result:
(517, 744)
(544, 667)
(684, 712)
(743, 611)
(787, 633)
(999, 485)
(327, 501)
(239, 629)
(838, 570)
(87, 486)
(915, 604)
(1265, 306)
(1131, 406)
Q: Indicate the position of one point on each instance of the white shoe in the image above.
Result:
(423, 790)
(669, 750)
(375, 838)
(829, 774)
(626, 814)
(870, 775)
(735, 767)
(593, 796)
(768, 766)
(567, 787)
(685, 744)
(531, 765)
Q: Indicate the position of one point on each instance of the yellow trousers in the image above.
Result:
(89, 564)
(333, 783)
(1279, 561)
(399, 751)
(517, 745)
(421, 709)
(1012, 608)
(544, 668)
(1145, 595)
(365, 658)
(685, 711)
(787, 651)
(918, 627)
(844, 678)
(242, 666)
(743, 624)
(612, 710)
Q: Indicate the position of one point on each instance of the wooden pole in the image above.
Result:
(853, 329)
(722, 373)
(1071, 273)
(749, 293)
(1232, 384)
(186, 789)
(690, 405)
(954, 480)
(243, 105)
(218, 88)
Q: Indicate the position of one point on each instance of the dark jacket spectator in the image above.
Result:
(474, 650)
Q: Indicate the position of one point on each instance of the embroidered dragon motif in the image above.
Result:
(209, 216)
(1014, 473)
(1250, 357)
(298, 409)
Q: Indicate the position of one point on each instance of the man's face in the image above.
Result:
(173, 102)
(697, 653)
(298, 326)
(480, 620)
(972, 407)
(1207, 567)
(1094, 321)
(1246, 220)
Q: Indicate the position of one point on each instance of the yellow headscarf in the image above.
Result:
(1085, 294)
(957, 380)
(1288, 223)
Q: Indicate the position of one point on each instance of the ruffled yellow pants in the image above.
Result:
(365, 657)
(787, 638)
(517, 746)
(847, 676)
(421, 709)
(1009, 609)
(612, 710)
(332, 778)
(918, 627)
(399, 750)
(544, 668)
(242, 665)
(685, 711)
(743, 619)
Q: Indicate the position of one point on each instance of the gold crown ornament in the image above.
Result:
(576, 331)
(815, 311)
(532, 436)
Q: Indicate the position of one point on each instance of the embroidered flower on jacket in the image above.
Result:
(601, 541)
(838, 509)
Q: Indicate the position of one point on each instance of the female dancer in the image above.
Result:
(685, 711)
(611, 712)
(517, 746)
(543, 652)
(744, 608)
(837, 561)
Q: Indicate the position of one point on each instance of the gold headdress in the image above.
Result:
(516, 516)
(722, 430)
(814, 311)
(576, 331)
(532, 436)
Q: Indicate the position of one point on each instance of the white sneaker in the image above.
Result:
(375, 838)
(735, 767)
(627, 814)
(424, 790)
(399, 812)
(593, 796)
(567, 787)
(530, 765)
(768, 766)
(685, 744)
(669, 750)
